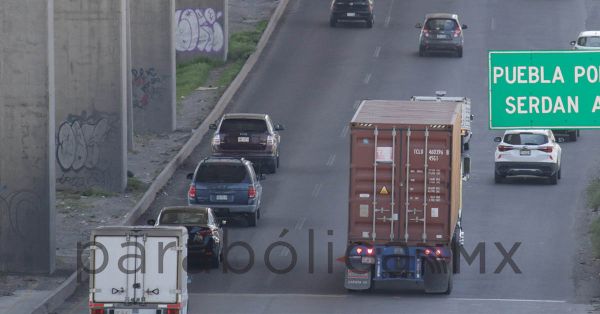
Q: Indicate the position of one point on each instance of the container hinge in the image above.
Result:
(176, 248)
(95, 290)
(175, 291)
(414, 211)
(417, 219)
(381, 210)
(144, 238)
(384, 219)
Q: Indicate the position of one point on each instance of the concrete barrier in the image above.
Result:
(68, 287)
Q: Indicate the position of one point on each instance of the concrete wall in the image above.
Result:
(201, 29)
(91, 94)
(27, 214)
(152, 65)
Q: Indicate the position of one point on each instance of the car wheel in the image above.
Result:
(573, 136)
(332, 22)
(554, 178)
(466, 146)
(370, 22)
(559, 173)
(258, 213)
(498, 178)
(252, 218)
(421, 51)
(273, 165)
(215, 261)
(459, 52)
(578, 133)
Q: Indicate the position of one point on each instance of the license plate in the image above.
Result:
(368, 260)
(440, 36)
(525, 152)
(351, 14)
(127, 311)
(221, 197)
(243, 139)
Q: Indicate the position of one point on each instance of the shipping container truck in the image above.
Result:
(138, 270)
(467, 117)
(406, 173)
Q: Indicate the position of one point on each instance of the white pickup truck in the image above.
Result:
(467, 117)
(138, 270)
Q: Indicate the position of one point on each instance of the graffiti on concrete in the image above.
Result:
(146, 86)
(80, 139)
(19, 207)
(199, 30)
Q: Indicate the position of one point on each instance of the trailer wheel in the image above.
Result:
(450, 277)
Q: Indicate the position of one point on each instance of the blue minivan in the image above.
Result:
(227, 185)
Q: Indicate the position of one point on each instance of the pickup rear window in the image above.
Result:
(243, 125)
(183, 218)
(525, 139)
(221, 173)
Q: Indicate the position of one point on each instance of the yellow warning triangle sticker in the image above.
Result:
(383, 191)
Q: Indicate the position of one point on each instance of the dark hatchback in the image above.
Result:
(227, 185)
(250, 136)
(441, 32)
(351, 10)
(205, 236)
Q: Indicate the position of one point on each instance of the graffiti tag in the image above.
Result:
(145, 86)
(199, 30)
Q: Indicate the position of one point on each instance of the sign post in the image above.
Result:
(544, 89)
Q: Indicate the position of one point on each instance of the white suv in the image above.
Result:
(527, 152)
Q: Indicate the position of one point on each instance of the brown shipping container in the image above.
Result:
(405, 172)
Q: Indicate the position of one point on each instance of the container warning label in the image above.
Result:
(384, 191)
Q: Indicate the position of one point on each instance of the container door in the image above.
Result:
(111, 283)
(160, 282)
(426, 178)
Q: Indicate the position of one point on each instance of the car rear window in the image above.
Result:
(525, 139)
(591, 41)
(441, 24)
(221, 173)
(183, 218)
(244, 125)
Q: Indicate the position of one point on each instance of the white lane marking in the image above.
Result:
(509, 300)
(344, 131)
(367, 78)
(300, 223)
(316, 190)
(389, 17)
(331, 160)
(270, 295)
(493, 24)
(296, 6)
(377, 51)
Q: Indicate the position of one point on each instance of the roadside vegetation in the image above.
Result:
(593, 201)
(196, 73)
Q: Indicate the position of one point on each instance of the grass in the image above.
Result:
(195, 74)
(94, 192)
(134, 185)
(593, 201)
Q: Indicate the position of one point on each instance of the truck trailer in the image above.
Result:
(138, 270)
(406, 174)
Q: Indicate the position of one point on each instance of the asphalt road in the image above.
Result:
(310, 79)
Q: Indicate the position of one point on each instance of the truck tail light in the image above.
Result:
(173, 308)
(456, 32)
(370, 251)
(359, 250)
(546, 149)
(504, 148)
(251, 192)
(173, 311)
(438, 253)
(97, 311)
(192, 192)
(427, 252)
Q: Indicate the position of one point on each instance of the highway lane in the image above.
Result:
(310, 79)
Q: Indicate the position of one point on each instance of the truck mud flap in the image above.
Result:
(357, 280)
(437, 276)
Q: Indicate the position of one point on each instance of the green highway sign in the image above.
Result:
(544, 89)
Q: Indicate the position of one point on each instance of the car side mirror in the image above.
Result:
(151, 222)
(466, 168)
(212, 126)
(190, 176)
(262, 176)
(572, 43)
(279, 127)
(223, 222)
(464, 26)
(472, 117)
(418, 25)
(497, 139)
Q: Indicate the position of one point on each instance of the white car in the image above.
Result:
(527, 152)
(587, 40)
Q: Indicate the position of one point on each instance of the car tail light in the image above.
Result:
(456, 32)
(97, 311)
(426, 32)
(546, 149)
(192, 192)
(427, 252)
(251, 192)
(216, 140)
(270, 140)
(173, 311)
(504, 148)
(438, 253)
